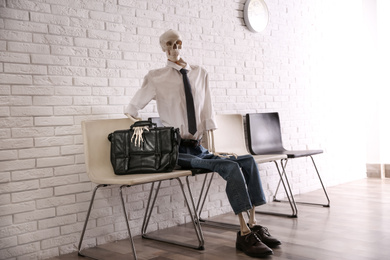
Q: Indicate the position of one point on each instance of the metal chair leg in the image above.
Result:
(87, 218)
(289, 195)
(323, 186)
(302, 202)
(149, 208)
(127, 220)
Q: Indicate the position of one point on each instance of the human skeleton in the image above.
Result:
(171, 43)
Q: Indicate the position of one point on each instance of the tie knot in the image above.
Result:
(183, 71)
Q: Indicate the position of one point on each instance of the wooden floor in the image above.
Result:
(355, 227)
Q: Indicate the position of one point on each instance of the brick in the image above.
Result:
(86, 23)
(17, 165)
(29, 5)
(25, 69)
(28, 47)
(88, 62)
(31, 174)
(25, 26)
(13, 230)
(71, 189)
(52, 39)
(69, 51)
(32, 132)
(101, 16)
(105, 54)
(49, 18)
(66, 70)
(90, 100)
(58, 181)
(71, 110)
(14, 14)
(31, 195)
(69, 11)
(17, 208)
(16, 143)
(70, 169)
(55, 201)
(111, 91)
(52, 80)
(39, 235)
(107, 110)
(8, 155)
(4, 111)
(91, 43)
(5, 177)
(14, 57)
(15, 100)
(5, 199)
(15, 79)
(39, 152)
(52, 101)
(50, 121)
(20, 250)
(73, 91)
(104, 35)
(53, 141)
(50, 59)
(58, 221)
(15, 36)
(5, 221)
(34, 215)
(89, 81)
(60, 240)
(101, 72)
(73, 208)
(55, 161)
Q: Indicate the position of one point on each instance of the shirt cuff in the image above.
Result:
(132, 110)
(210, 124)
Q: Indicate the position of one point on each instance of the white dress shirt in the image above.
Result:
(166, 86)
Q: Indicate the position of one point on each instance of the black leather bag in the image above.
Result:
(157, 153)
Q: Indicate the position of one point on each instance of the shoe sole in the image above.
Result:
(272, 245)
(238, 247)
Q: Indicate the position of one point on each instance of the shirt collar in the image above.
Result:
(178, 67)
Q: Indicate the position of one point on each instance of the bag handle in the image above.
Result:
(143, 123)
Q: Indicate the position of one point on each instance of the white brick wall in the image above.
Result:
(62, 62)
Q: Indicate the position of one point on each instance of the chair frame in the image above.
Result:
(204, 190)
(129, 181)
(283, 177)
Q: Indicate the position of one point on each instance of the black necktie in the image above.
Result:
(190, 103)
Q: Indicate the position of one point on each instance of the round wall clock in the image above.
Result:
(256, 15)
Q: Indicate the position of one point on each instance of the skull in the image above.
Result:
(170, 42)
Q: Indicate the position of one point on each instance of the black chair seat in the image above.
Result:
(301, 153)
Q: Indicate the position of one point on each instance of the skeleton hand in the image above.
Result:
(137, 135)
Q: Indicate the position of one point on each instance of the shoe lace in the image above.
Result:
(252, 237)
(265, 231)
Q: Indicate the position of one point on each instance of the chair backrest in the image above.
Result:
(230, 135)
(264, 133)
(228, 138)
(97, 145)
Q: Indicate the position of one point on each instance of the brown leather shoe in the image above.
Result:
(265, 236)
(251, 245)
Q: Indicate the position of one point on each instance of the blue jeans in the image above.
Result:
(243, 184)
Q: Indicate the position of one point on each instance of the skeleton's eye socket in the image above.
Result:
(169, 44)
(178, 42)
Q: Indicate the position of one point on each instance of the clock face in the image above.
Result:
(256, 15)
